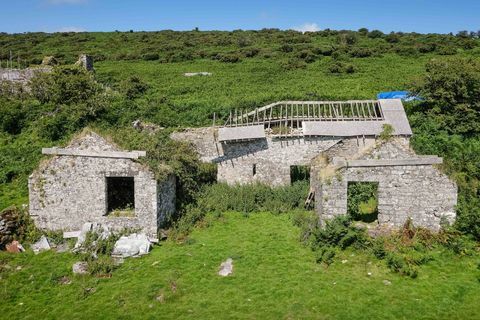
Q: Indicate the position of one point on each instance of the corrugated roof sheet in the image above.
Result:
(394, 114)
(241, 133)
(342, 128)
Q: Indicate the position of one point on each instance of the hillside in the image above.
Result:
(250, 68)
(274, 277)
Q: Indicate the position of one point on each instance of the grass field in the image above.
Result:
(275, 277)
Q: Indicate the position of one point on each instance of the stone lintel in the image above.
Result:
(394, 162)
(94, 154)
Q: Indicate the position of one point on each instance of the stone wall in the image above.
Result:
(420, 192)
(271, 156)
(21, 76)
(67, 191)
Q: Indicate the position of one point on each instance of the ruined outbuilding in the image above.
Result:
(93, 180)
(339, 142)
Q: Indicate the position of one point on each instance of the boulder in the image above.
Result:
(41, 245)
(14, 247)
(226, 268)
(80, 267)
(131, 246)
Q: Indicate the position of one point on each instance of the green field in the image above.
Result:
(274, 277)
(139, 75)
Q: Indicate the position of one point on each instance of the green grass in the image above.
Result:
(174, 99)
(274, 278)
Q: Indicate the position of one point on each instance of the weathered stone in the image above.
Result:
(80, 267)
(226, 268)
(417, 191)
(97, 228)
(386, 282)
(132, 245)
(41, 245)
(69, 190)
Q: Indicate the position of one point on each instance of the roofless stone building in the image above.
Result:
(339, 143)
(93, 180)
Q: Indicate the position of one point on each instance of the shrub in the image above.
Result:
(150, 56)
(374, 34)
(133, 87)
(338, 67)
(360, 52)
(293, 64)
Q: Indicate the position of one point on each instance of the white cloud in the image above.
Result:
(307, 27)
(55, 2)
(71, 29)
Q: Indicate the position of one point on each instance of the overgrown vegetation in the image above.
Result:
(403, 251)
(219, 198)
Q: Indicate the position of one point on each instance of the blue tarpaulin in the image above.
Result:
(404, 95)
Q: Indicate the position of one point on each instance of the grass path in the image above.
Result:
(274, 278)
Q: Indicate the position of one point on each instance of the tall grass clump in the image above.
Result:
(220, 197)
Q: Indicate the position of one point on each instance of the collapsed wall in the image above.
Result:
(409, 186)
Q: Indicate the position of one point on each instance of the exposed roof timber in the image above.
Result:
(304, 103)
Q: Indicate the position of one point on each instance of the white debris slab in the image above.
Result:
(193, 74)
(226, 268)
(131, 246)
(41, 245)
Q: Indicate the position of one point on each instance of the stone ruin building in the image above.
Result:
(93, 180)
(340, 143)
(23, 76)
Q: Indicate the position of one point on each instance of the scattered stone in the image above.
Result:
(226, 268)
(100, 229)
(64, 280)
(344, 261)
(132, 245)
(155, 263)
(80, 267)
(118, 261)
(18, 268)
(14, 247)
(62, 247)
(193, 74)
(160, 298)
(148, 127)
(71, 234)
(41, 245)
(386, 282)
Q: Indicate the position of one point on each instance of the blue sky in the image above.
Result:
(424, 16)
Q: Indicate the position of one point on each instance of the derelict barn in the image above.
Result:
(338, 143)
(93, 180)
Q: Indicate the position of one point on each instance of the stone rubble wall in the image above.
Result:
(272, 156)
(22, 76)
(68, 191)
(420, 192)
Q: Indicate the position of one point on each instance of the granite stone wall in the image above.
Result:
(67, 191)
(272, 157)
(420, 192)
